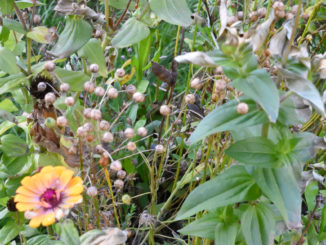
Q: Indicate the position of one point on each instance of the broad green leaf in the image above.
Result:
(40, 34)
(226, 233)
(67, 232)
(323, 219)
(6, 6)
(258, 225)
(203, 227)
(289, 114)
(43, 240)
(142, 86)
(258, 151)
(6, 125)
(280, 186)
(121, 4)
(175, 12)
(310, 194)
(13, 25)
(8, 61)
(22, 4)
(13, 145)
(11, 82)
(9, 231)
(261, 88)
(94, 53)
(226, 117)
(233, 185)
(75, 79)
(304, 88)
(133, 31)
(7, 105)
(14, 164)
(75, 35)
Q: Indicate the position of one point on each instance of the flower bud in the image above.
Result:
(261, 12)
(120, 72)
(121, 174)
(89, 87)
(240, 15)
(131, 89)
(81, 132)
(104, 125)
(94, 68)
(70, 101)
(126, 199)
(190, 99)
(99, 91)
(62, 121)
(142, 131)
(90, 138)
(107, 137)
(129, 133)
(112, 93)
(87, 112)
(64, 87)
(103, 161)
(41, 87)
(280, 14)
(91, 191)
(165, 110)
(138, 97)
(196, 83)
(37, 19)
(50, 98)
(49, 66)
(96, 114)
(242, 108)
(118, 184)
(159, 149)
(278, 5)
(116, 166)
(88, 127)
(220, 85)
(99, 149)
(131, 146)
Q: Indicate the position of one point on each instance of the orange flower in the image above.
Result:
(46, 195)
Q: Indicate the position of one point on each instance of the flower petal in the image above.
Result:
(49, 219)
(74, 187)
(36, 220)
(24, 206)
(23, 190)
(29, 199)
(70, 201)
(65, 177)
(33, 184)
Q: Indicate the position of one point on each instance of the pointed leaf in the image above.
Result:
(6, 6)
(133, 31)
(76, 79)
(226, 233)
(67, 232)
(8, 61)
(233, 185)
(175, 12)
(225, 117)
(40, 34)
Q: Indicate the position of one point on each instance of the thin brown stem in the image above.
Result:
(115, 26)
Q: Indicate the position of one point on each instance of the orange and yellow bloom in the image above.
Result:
(46, 195)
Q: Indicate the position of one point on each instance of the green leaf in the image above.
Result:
(40, 34)
(6, 6)
(14, 164)
(121, 4)
(9, 231)
(94, 53)
(258, 225)
(261, 88)
(233, 185)
(13, 25)
(289, 114)
(203, 227)
(225, 117)
(310, 194)
(6, 125)
(280, 186)
(22, 4)
(258, 151)
(8, 61)
(13, 145)
(7, 105)
(67, 232)
(75, 35)
(142, 86)
(75, 79)
(11, 82)
(175, 12)
(304, 88)
(133, 31)
(43, 240)
(323, 219)
(226, 233)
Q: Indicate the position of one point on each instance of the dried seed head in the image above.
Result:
(121, 174)
(112, 93)
(142, 131)
(104, 125)
(278, 5)
(120, 72)
(87, 112)
(116, 166)
(131, 89)
(37, 19)
(81, 132)
(261, 12)
(129, 133)
(99, 91)
(118, 184)
(242, 108)
(49, 66)
(90, 138)
(107, 137)
(50, 98)
(253, 16)
(41, 87)
(103, 161)
(126, 199)
(159, 149)
(94, 68)
(138, 97)
(196, 83)
(131, 146)
(165, 110)
(62, 121)
(280, 14)
(64, 87)
(190, 98)
(70, 101)
(91, 191)
(89, 87)
(88, 127)
(99, 149)
(96, 114)
(220, 85)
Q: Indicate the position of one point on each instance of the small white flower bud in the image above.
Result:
(94, 68)
(81, 132)
(165, 110)
(220, 85)
(89, 87)
(107, 137)
(118, 184)
(70, 101)
(62, 121)
(131, 89)
(91, 191)
(129, 133)
(242, 108)
(50, 98)
(120, 72)
(121, 174)
(142, 131)
(87, 112)
(138, 97)
(96, 114)
(116, 166)
(159, 149)
(196, 83)
(88, 127)
(64, 87)
(99, 91)
(104, 125)
(190, 98)
(41, 86)
(113, 93)
(49, 66)
(126, 199)
(131, 146)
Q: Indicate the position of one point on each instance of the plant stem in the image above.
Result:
(28, 53)
(107, 13)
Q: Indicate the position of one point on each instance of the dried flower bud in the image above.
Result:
(116, 166)
(278, 5)
(88, 127)
(126, 199)
(138, 97)
(81, 132)
(142, 131)
(165, 110)
(103, 161)
(64, 87)
(106, 154)
(261, 12)
(129, 133)
(87, 112)
(49, 66)
(196, 83)
(89, 87)
(70, 101)
(99, 149)
(190, 98)
(99, 91)
(104, 125)
(112, 93)
(91, 191)
(280, 14)
(96, 114)
(159, 149)
(131, 89)
(253, 16)
(62, 121)
(120, 72)
(240, 15)
(121, 174)
(220, 85)
(41, 87)
(107, 137)
(94, 68)
(131, 146)
(118, 184)
(90, 138)
(37, 19)
(242, 108)
(50, 98)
